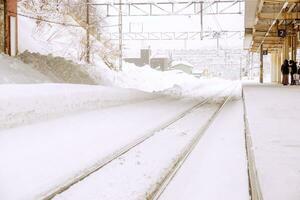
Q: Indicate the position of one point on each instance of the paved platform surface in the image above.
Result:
(274, 121)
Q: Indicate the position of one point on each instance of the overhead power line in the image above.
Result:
(54, 22)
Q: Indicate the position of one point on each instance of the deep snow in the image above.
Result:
(27, 103)
(136, 174)
(15, 71)
(49, 153)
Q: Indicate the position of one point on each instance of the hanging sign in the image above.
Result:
(281, 33)
(265, 52)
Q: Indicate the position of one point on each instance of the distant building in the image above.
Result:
(8, 27)
(145, 59)
(160, 63)
(183, 66)
(198, 73)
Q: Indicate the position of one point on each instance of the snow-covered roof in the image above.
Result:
(197, 71)
(181, 62)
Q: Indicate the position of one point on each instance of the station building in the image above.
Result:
(272, 27)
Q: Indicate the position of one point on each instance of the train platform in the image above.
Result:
(273, 113)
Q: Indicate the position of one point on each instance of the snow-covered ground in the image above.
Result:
(216, 169)
(137, 174)
(15, 71)
(49, 153)
(273, 115)
(53, 132)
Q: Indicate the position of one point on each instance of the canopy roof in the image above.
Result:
(263, 19)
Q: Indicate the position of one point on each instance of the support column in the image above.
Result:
(279, 63)
(285, 49)
(252, 66)
(273, 68)
(261, 74)
(294, 47)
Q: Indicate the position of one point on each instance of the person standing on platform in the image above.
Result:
(293, 71)
(285, 72)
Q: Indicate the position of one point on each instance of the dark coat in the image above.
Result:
(294, 68)
(285, 68)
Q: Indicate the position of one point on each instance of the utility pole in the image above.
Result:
(241, 66)
(88, 31)
(201, 20)
(120, 35)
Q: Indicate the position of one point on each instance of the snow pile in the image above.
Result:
(23, 104)
(173, 83)
(148, 79)
(59, 69)
(14, 71)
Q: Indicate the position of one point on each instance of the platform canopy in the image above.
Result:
(269, 22)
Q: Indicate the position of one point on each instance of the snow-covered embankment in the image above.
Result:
(22, 104)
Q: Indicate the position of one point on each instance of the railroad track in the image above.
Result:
(166, 180)
(86, 173)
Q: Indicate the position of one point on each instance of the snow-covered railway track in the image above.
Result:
(121, 152)
(95, 168)
(167, 178)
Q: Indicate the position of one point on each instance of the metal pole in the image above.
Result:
(241, 68)
(87, 31)
(201, 20)
(120, 35)
(261, 75)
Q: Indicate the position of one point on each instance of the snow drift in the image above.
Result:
(59, 69)
(15, 71)
(23, 104)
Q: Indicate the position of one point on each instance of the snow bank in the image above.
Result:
(173, 83)
(46, 100)
(15, 71)
(148, 79)
(23, 104)
(59, 69)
